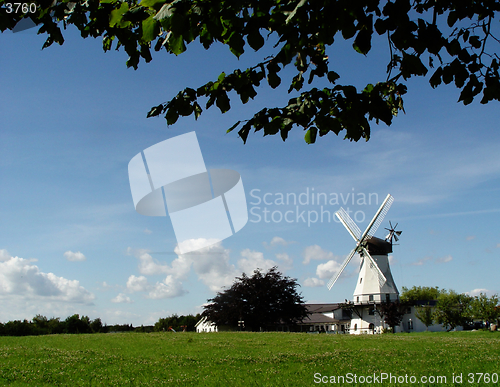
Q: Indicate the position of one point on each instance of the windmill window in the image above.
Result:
(357, 299)
(410, 324)
(370, 297)
(355, 327)
(360, 280)
(388, 297)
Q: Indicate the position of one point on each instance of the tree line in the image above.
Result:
(449, 308)
(41, 325)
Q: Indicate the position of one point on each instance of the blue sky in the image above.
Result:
(71, 241)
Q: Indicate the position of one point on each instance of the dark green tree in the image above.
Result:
(452, 38)
(41, 325)
(75, 324)
(419, 295)
(426, 315)
(96, 325)
(55, 325)
(485, 308)
(262, 301)
(453, 309)
(392, 313)
(423, 298)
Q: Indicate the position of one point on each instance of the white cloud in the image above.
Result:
(210, 264)
(253, 260)
(18, 277)
(121, 298)
(169, 288)
(445, 259)
(313, 282)
(150, 266)
(286, 263)
(74, 257)
(420, 262)
(213, 268)
(146, 231)
(137, 284)
(277, 241)
(470, 237)
(328, 269)
(315, 252)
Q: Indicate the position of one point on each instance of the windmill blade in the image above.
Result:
(336, 276)
(381, 276)
(378, 218)
(349, 224)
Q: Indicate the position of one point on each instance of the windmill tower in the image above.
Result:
(375, 283)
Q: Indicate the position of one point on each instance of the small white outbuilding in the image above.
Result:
(205, 326)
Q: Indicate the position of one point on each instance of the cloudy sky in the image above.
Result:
(71, 241)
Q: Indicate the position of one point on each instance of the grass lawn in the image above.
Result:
(250, 359)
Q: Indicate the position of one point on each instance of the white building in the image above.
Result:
(205, 326)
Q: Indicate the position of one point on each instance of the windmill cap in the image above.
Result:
(377, 246)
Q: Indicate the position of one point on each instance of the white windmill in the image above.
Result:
(375, 283)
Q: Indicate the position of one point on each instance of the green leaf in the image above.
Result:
(311, 134)
(233, 127)
(363, 41)
(116, 17)
(236, 44)
(412, 65)
(171, 116)
(255, 39)
(222, 102)
(197, 110)
(435, 79)
(136, 15)
(332, 76)
(274, 80)
(165, 11)
(176, 44)
(150, 29)
(155, 111)
(151, 3)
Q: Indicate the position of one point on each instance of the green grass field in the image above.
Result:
(248, 359)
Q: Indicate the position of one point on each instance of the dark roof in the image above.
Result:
(322, 308)
(377, 246)
(316, 315)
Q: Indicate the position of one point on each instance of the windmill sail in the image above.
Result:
(346, 262)
(349, 224)
(361, 239)
(379, 216)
